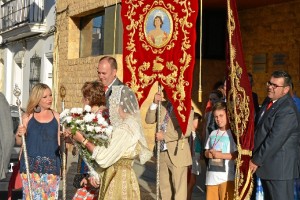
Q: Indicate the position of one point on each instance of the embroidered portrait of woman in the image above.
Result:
(158, 27)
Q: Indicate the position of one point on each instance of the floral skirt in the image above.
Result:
(43, 186)
(119, 182)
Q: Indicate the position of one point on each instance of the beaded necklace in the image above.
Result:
(215, 141)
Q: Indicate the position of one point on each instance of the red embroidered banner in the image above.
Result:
(240, 104)
(159, 45)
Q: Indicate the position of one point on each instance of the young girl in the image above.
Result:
(221, 151)
(209, 122)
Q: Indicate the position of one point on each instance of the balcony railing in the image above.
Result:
(18, 12)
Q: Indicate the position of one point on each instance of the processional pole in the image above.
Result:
(200, 56)
(17, 94)
(158, 144)
(62, 93)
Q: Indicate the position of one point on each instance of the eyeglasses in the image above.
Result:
(273, 85)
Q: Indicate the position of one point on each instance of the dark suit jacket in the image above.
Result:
(276, 141)
(108, 92)
(7, 138)
(255, 102)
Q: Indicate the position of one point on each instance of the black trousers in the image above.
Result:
(278, 190)
(253, 195)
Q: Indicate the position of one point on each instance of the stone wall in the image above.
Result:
(274, 32)
(271, 31)
(71, 70)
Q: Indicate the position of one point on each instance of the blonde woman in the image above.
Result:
(41, 127)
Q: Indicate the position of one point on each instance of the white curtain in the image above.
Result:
(36, 10)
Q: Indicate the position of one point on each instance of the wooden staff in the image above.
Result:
(62, 93)
(17, 93)
(200, 56)
(158, 145)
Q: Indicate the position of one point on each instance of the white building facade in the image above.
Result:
(26, 46)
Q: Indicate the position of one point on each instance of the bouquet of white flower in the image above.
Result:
(94, 127)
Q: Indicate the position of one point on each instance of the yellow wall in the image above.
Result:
(272, 30)
(268, 30)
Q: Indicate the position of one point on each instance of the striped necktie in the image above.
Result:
(164, 124)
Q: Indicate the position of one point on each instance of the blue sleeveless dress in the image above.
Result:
(43, 159)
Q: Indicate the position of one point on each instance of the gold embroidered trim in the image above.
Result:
(176, 73)
(238, 115)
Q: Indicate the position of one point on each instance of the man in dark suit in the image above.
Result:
(107, 73)
(276, 142)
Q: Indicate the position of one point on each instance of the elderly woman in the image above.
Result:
(93, 95)
(118, 180)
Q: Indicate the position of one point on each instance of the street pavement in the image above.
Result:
(147, 180)
(146, 175)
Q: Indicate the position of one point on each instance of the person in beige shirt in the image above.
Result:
(175, 155)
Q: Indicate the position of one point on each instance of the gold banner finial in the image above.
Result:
(62, 92)
(17, 94)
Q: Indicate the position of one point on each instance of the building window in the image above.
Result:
(15, 12)
(35, 71)
(92, 35)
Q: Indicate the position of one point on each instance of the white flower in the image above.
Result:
(97, 136)
(98, 129)
(99, 116)
(105, 123)
(79, 121)
(68, 119)
(93, 116)
(64, 113)
(90, 128)
(76, 111)
(79, 111)
(73, 110)
(109, 130)
(101, 119)
(104, 137)
(89, 117)
(87, 108)
(93, 127)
